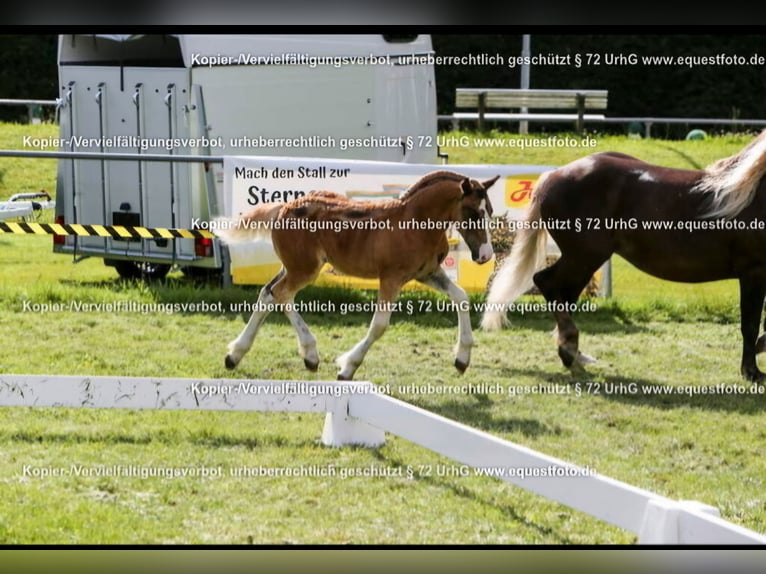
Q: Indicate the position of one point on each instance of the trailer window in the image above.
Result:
(153, 50)
(400, 38)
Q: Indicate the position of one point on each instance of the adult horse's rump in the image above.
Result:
(681, 225)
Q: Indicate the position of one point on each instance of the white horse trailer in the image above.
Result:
(216, 95)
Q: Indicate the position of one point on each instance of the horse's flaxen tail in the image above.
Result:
(255, 224)
(514, 277)
(732, 182)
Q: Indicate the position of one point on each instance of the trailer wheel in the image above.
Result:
(204, 275)
(141, 270)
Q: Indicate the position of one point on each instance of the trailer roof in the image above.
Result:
(192, 49)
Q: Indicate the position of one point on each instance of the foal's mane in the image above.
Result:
(733, 181)
(430, 179)
(342, 206)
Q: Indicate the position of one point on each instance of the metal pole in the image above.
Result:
(525, 56)
(111, 156)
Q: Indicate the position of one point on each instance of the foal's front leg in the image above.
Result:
(307, 343)
(349, 362)
(439, 281)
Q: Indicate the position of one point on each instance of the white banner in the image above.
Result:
(251, 180)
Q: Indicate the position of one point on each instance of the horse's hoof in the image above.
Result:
(342, 377)
(311, 365)
(566, 357)
(755, 376)
(229, 362)
(460, 366)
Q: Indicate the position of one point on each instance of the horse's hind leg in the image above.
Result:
(751, 296)
(241, 345)
(760, 345)
(561, 284)
(439, 281)
(349, 362)
(280, 291)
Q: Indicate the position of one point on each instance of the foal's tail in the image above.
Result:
(514, 277)
(255, 224)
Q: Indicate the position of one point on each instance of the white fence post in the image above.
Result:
(341, 429)
(660, 524)
(691, 522)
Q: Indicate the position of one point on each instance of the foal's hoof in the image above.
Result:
(760, 344)
(311, 365)
(342, 377)
(229, 362)
(460, 366)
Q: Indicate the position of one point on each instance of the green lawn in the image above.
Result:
(706, 447)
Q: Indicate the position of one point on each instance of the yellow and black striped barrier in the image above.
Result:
(113, 231)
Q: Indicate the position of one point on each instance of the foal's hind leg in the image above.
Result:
(562, 283)
(279, 291)
(349, 362)
(241, 345)
(439, 281)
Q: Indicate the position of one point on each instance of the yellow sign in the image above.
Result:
(518, 189)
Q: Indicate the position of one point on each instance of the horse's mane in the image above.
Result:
(430, 179)
(733, 181)
(343, 206)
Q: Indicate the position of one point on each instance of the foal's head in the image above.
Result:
(476, 215)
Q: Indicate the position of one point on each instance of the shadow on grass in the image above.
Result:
(601, 322)
(465, 493)
(82, 436)
(739, 397)
(476, 410)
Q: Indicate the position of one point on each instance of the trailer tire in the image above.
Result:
(141, 270)
(204, 275)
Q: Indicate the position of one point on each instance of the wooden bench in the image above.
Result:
(490, 99)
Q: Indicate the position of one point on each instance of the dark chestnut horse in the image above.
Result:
(681, 225)
(394, 241)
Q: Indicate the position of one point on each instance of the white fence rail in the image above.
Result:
(357, 413)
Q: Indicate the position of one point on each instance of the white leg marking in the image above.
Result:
(307, 343)
(241, 345)
(441, 282)
(349, 362)
(583, 359)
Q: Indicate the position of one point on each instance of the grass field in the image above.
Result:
(683, 445)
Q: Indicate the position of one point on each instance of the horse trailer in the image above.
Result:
(212, 96)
